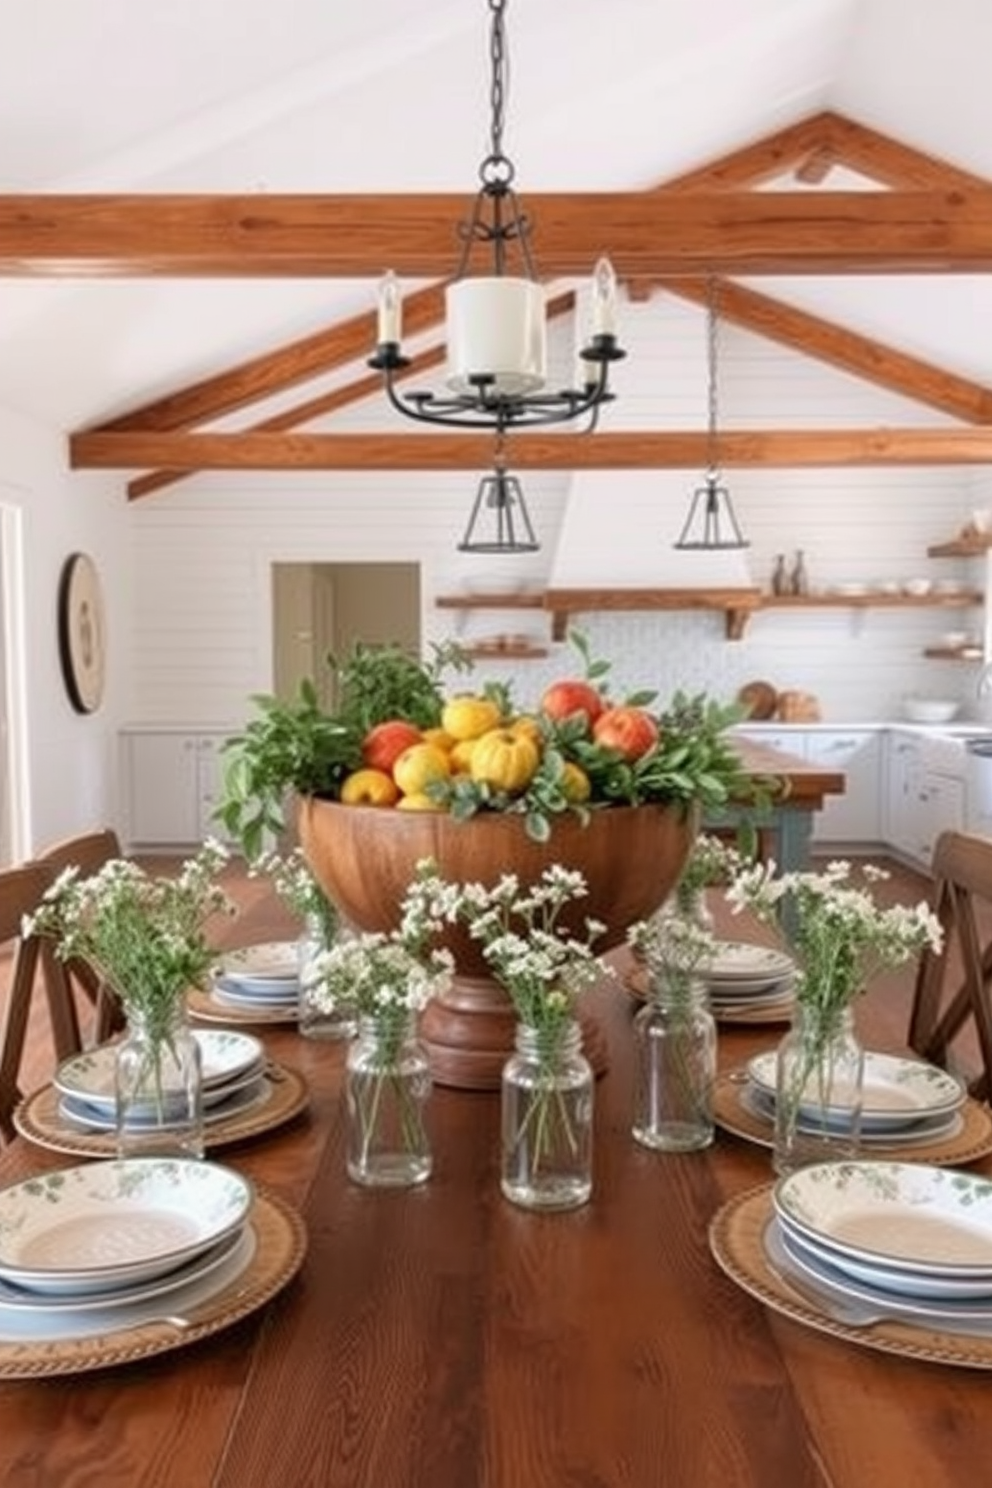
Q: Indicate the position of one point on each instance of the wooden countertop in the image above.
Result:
(807, 783)
(441, 1338)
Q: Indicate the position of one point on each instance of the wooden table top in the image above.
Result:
(441, 1338)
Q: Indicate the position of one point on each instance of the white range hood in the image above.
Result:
(619, 529)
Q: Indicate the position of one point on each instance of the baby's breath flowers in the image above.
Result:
(296, 886)
(841, 936)
(147, 935)
(675, 950)
(536, 958)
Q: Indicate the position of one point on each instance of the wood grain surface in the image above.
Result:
(441, 1338)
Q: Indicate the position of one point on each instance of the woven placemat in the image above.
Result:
(285, 1097)
(766, 1014)
(280, 1246)
(972, 1140)
(736, 1237)
(210, 1009)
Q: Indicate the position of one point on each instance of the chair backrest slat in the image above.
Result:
(952, 1002)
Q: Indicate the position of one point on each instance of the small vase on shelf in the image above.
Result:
(159, 1085)
(819, 1077)
(546, 1117)
(675, 1067)
(387, 1085)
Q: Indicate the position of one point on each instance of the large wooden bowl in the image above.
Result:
(364, 857)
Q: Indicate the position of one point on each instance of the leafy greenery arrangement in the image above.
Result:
(298, 747)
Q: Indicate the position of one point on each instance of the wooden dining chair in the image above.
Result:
(73, 982)
(21, 890)
(951, 1019)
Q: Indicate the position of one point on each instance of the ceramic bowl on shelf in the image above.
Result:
(917, 588)
(930, 710)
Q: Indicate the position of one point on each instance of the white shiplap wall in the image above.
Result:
(202, 551)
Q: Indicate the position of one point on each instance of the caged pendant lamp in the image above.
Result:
(499, 521)
(711, 523)
(496, 320)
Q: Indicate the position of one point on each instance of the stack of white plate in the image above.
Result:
(908, 1239)
(744, 977)
(233, 1066)
(902, 1101)
(264, 976)
(112, 1244)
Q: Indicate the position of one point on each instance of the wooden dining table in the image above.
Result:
(440, 1337)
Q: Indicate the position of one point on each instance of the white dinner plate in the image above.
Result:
(101, 1225)
(905, 1216)
(18, 1325)
(835, 1285)
(19, 1299)
(266, 994)
(734, 961)
(734, 995)
(271, 959)
(924, 1284)
(926, 1129)
(894, 1092)
(98, 1118)
(224, 1054)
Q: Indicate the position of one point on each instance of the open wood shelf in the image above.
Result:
(736, 605)
(962, 547)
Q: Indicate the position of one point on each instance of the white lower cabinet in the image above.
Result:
(173, 783)
(856, 816)
(921, 800)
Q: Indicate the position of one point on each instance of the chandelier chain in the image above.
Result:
(497, 168)
(712, 350)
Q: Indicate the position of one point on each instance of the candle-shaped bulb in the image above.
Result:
(604, 299)
(390, 310)
(588, 372)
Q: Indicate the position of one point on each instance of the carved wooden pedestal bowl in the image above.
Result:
(364, 857)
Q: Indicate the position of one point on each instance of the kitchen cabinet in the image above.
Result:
(173, 780)
(925, 794)
(856, 816)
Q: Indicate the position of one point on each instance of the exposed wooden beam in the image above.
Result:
(816, 167)
(451, 451)
(647, 232)
(323, 404)
(761, 160)
(891, 163)
(828, 342)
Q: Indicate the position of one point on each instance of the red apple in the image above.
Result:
(562, 699)
(385, 742)
(630, 731)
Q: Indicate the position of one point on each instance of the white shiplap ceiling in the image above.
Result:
(244, 95)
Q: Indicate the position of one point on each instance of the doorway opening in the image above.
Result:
(321, 609)
(14, 825)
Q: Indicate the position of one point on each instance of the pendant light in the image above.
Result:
(499, 521)
(711, 523)
(496, 322)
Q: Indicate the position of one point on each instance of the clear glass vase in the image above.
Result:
(387, 1084)
(547, 1111)
(159, 1084)
(315, 1021)
(675, 1066)
(819, 1077)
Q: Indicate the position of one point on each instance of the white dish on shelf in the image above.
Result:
(930, 710)
(917, 588)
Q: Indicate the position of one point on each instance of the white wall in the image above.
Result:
(67, 760)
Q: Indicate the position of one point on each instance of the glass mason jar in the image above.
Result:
(315, 1021)
(159, 1085)
(387, 1084)
(675, 1066)
(546, 1109)
(819, 1077)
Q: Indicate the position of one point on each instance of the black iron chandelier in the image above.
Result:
(711, 522)
(499, 521)
(496, 322)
